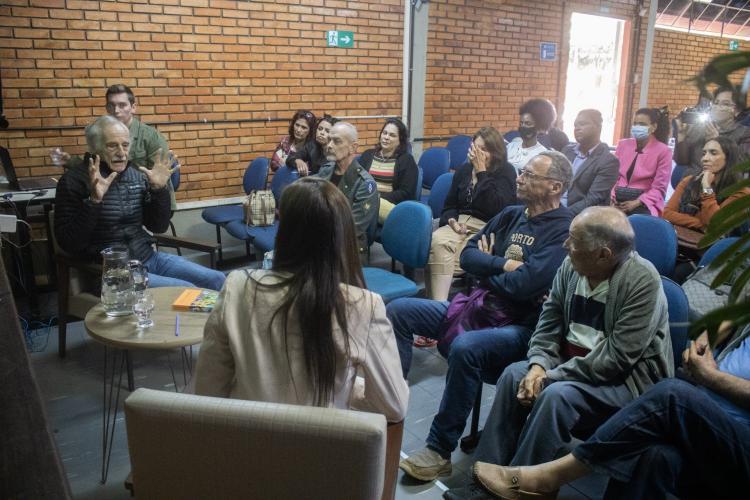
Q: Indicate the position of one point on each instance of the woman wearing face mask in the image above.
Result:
(524, 148)
(481, 188)
(392, 166)
(309, 159)
(645, 164)
(300, 132)
(697, 198)
(552, 138)
(720, 121)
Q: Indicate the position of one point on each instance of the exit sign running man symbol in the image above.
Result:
(343, 39)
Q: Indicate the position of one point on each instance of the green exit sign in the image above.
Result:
(734, 45)
(344, 39)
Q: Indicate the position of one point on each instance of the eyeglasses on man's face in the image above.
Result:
(525, 172)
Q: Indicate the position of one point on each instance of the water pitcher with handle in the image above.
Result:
(117, 282)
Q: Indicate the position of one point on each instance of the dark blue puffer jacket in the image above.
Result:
(83, 229)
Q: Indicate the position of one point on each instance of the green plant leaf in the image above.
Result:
(741, 243)
(718, 69)
(724, 221)
(738, 313)
(738, 285)
(730, 190)
(726, 273)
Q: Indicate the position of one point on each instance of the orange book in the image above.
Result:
(195, 299)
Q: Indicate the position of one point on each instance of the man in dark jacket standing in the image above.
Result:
(106, 201)
(515, 255)
(595, 169)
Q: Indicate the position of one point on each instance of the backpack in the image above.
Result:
(260, 208)
(702, 299)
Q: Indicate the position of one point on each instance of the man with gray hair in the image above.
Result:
(601, 341)
(515, 256)
(352, 179)
(106, 201)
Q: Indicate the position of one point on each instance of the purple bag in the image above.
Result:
(476, 311)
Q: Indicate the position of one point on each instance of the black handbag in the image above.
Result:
(623, 193)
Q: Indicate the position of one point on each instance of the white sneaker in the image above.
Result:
(426, 465)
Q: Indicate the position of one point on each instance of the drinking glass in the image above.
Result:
(140, 277)
(56, 155)
(143, 307)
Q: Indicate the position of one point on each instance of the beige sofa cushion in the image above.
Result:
(187, 446)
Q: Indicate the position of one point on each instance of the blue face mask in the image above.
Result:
(639, 131)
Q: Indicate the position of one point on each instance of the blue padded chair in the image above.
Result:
(459, 148)
(678, 172)
(677, 303)
(253, 179)
(434, 162)
(175, 177)
(263, 238)
(509, 136)
(439, 193)
(420, 179)
(715, 249)
(175, 180)
(406, 237)
(656, 241)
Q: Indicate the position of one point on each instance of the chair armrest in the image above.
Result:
(178, 242)
(81, 265)
(395, 433)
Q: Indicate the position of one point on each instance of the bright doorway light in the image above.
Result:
(594, 71)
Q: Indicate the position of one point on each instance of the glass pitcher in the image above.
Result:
(117, 282)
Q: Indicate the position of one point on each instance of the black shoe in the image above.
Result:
(470, 492)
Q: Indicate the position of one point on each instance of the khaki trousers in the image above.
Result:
(447, 245)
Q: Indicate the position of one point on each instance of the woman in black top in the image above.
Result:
(392, 166)
(481, 188)
(312, 155)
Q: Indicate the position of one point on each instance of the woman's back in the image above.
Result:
(246, 355)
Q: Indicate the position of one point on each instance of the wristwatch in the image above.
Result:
(708, 191)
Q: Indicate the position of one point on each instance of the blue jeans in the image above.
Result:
(474, 357)
(166, 269)
(523, 435)
(673, 439)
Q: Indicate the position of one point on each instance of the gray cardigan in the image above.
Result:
(636, 349)
(594, 179)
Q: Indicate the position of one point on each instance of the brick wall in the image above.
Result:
(483, 58)
(677, 57)
(227, 61)
(192, 60)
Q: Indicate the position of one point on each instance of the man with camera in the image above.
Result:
(696, 128)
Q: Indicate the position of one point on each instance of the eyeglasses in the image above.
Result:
(723, 104)
(525, 172)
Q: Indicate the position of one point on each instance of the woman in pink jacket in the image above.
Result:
(645, 164)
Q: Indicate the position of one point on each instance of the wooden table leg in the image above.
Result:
(392, 457)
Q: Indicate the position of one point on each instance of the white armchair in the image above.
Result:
(187, 446)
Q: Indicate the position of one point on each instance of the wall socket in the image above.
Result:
(8, 223)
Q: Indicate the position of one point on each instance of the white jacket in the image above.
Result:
(243, 355)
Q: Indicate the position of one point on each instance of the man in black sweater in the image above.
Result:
(106, 201)
(515, 256)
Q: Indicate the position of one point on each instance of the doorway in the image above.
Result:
(596, 63)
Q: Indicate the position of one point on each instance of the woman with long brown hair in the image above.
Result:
(697, 198)
(300, 133)
(302, 332)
